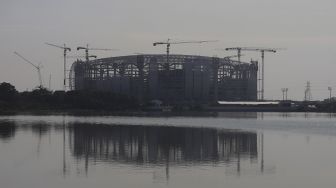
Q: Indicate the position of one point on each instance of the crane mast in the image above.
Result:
(80, 56)
(65, 49)
(37, 67)
(262, 50)
(232, 56)
(87, 56)
(168, 43)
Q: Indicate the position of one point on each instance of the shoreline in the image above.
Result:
(139, 113)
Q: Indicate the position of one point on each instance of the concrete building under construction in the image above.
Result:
(185, 79)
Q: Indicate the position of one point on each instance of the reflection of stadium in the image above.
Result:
(156, 145)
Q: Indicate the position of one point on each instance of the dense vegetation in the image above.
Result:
(43, 99)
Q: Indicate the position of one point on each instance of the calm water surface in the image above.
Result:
(230, 150)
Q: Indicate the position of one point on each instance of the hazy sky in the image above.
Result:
(305, 27)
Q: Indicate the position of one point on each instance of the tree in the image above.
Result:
(7, 92)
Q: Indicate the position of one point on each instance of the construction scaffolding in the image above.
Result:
(185, 79)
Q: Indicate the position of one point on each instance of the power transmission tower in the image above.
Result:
(286, 90)
(50, 82)
(283, 93)
(330, 90)
(307, 93)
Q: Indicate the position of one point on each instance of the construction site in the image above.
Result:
(185, 79)
(167, 79)
(165, 82)
(173, 79)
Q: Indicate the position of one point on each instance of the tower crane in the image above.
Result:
(81, 56)
(232, 56)
(262, 50)
(37, 67)
(65, 49)
(87, 50)
(229, 57)
(238, 51)
(168, 43)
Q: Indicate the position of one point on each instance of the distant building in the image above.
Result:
(185, 79)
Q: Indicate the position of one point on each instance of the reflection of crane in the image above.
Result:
(65, 49)
(168, 43)
(38, 68)
(87, 50)
(262, 50)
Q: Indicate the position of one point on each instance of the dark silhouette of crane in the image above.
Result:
(228, 57)
(232, 56)
(262, 50)
(87, 50)
(37, 67)
(168, 43)
(81, 56)
(65, 49)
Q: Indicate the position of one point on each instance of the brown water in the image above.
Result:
(231, 150)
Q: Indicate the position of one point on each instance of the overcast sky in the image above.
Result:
(305, 27)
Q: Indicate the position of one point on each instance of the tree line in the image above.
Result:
(44, 99)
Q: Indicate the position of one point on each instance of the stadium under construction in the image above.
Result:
(184, 79)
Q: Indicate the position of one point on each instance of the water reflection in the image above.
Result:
(7, 130)
(84, 145)
(40, 128)
(270, 152)
(154, 145)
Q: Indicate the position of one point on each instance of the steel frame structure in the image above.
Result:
(186, 79)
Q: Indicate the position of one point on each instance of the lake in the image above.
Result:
(255, 150)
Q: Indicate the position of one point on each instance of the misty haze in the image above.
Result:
(179, 93)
